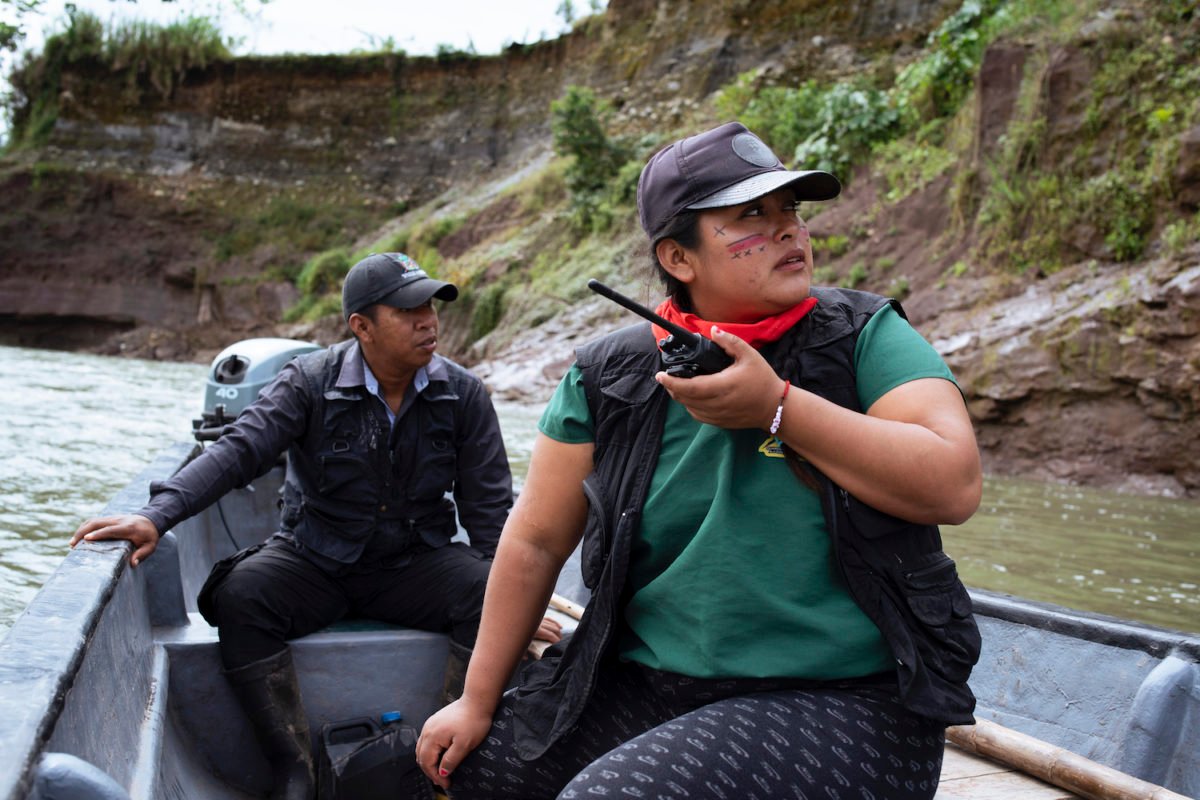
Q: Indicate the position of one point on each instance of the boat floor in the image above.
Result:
(966, 776)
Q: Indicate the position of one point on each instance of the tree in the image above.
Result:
(11, 32)
(566, 10)
(578, 124)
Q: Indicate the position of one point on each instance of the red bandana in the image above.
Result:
(756, 334)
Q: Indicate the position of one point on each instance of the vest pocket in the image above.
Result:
(347, 477)
(946, 634)
(435, 469)
(336, 523)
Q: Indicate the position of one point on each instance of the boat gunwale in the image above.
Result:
(1089, 626)
(42, 696)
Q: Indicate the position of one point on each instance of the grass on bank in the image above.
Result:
(152, 57)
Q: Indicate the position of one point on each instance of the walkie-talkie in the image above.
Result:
(684, 354)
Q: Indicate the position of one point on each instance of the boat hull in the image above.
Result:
(112, 669)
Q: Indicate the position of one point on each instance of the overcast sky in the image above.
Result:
(338, 26)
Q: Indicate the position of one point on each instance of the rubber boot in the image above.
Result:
(456, 672)
(270, 695)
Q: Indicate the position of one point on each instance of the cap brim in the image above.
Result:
(418, 293)
(813, 184)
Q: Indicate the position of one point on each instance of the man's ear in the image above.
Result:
(676, 260)
(360, 326)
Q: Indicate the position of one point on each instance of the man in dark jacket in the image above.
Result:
(379, 431)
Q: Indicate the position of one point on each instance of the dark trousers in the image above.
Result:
(655, 735)
(271, 593)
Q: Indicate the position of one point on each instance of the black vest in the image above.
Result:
(342, 484)
(896, 570)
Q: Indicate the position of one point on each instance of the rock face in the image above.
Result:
(376, 130)
(107, 239)
(1095, 381)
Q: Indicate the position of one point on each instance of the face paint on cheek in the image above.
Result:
(744, 247)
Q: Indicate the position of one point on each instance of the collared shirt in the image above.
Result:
(357, 372)
(419, 382)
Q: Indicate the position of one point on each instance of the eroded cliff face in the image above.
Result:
(395, 127)
(109, 237)
(111, 229)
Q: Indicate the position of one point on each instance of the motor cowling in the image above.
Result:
(237, 375)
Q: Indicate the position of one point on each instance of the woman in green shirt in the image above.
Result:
(726, 653)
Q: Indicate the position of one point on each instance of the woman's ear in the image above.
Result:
(676, 260)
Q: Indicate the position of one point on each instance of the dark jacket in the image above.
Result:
(350, 482)
(896, 570)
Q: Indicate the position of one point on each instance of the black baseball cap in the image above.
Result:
(393, 279)
(721, 167)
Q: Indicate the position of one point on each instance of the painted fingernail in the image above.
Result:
(443, 771)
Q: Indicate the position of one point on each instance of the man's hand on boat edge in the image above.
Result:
(133, 528)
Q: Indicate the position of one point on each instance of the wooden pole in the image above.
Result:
(560, 603)
(1054, 764)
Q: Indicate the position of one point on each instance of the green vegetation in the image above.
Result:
(323, 273)
(858, 274)
(320, 278)
(831, 246)
(11, 32)
(488, 310)
(449, 54)
(149, 55)
(305, 223)
(908, 165)
(898, 288)
(600, 174)
(821, 126)
(162, 54)
(836, 125)
(1044, 194)
(935, 85)
(1180, 234)
(1031, 202)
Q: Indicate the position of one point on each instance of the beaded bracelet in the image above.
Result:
(774, 429)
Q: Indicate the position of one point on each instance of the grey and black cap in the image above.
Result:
(392, 279)
(721, 167)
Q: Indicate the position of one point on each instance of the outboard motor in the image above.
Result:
(237, 375)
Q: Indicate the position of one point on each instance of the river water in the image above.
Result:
(76, 428)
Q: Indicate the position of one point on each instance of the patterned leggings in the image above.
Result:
(653, 735)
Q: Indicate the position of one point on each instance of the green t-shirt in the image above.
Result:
(731, 573)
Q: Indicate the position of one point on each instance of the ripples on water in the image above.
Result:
(1127, 556)
(77, 428)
